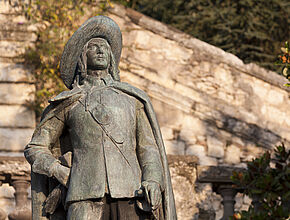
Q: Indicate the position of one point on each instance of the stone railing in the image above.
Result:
(186, 176)
(16, 172)
(222, 184)
(191, 203)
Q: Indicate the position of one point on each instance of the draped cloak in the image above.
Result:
(42, 185)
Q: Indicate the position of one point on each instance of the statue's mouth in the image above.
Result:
(99, 57)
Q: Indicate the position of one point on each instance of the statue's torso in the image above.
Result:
(102, 129)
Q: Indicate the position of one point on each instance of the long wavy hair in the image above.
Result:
(81, 73)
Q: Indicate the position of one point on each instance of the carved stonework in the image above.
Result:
(222, 184)
(183, 176)
(214, 174)
(21, 212)
(16, 172)
(228, 193)
(2, 214)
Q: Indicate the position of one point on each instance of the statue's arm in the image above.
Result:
(38, 153)
(147, 151)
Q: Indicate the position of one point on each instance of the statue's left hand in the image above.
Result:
(61, 173)
(152, 193)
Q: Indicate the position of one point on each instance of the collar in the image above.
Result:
(91, 81)
(108, 80)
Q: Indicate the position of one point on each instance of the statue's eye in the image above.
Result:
(92, 47)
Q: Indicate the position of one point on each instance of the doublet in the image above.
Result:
(111, 140)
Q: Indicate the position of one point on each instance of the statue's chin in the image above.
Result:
(99, 66)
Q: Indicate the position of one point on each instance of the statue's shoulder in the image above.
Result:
(60, 102)
(65, 95)
(132, 90)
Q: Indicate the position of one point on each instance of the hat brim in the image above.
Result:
(98, 26)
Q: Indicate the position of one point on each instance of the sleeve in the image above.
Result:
(147, 151)
(37, 152)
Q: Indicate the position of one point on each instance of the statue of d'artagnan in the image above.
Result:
(98, 151)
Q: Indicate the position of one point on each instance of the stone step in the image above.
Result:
(12, 72)
(14, 139)
(13, 49)
(17, 36)
(16, 93)
(16, 116)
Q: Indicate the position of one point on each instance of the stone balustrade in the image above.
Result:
(222, 184)
(187, 177)
(16, 172)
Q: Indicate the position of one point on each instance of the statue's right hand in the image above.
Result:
(61, 173)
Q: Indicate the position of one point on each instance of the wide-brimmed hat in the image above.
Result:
(98, 26)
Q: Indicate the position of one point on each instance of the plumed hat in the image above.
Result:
(98, 26)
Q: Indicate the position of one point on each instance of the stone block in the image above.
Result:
(13, 49)
(276, 97)
(260, 89)
(174, 147)
(241, 165)
(232, 154)
(208, 161)
(167, 115)
(167, 133)
(11, 72)
(184, 195)
(188, 136)
(6, 191)
(16, 24)
(199, 151)
(205, 66)
(196, 150)
(223, 75)
(14, 139)
(192, 126)
(7, 205)
(201, 139)
(19, 93)
(16, 116)
(216, 174)
(215, 147)
(17, 36)
(273, 114)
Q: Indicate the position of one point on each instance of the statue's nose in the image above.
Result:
(99, 50)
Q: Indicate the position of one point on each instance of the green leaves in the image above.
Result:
(250, 29)
(268, 179)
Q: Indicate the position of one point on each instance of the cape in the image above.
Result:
(41, 185)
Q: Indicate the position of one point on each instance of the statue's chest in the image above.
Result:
(108, 109)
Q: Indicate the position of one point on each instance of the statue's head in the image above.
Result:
(99, 34)
(97, 55)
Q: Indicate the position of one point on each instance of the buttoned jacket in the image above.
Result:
(111, 140)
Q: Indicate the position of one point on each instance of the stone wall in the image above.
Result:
(209, 103)
(17, 122)
(212, 108)
(16, 84)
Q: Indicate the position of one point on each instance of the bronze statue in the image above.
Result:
(98, 152)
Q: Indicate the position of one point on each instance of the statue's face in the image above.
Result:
(98, 54)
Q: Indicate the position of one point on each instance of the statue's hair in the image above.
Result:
(82, 64)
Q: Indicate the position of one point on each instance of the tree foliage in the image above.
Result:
(271, 184)
(284, 62)
(251, 29)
